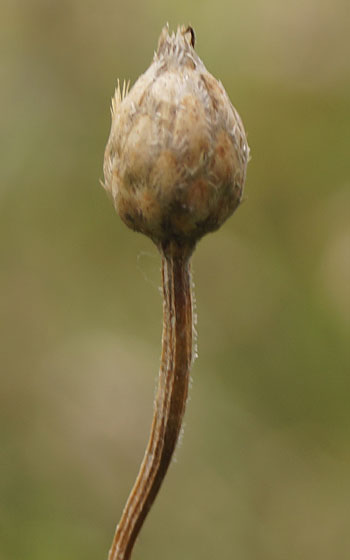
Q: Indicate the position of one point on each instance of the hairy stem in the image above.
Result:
(170, 400)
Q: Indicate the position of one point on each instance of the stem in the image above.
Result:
(170, 400)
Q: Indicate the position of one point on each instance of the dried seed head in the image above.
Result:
(176, 159)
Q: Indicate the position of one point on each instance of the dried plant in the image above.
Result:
(175, 166)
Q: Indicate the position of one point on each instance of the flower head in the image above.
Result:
(175, 162)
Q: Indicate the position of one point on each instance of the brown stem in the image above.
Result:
(170, 400)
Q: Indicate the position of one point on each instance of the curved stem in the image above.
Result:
(170, 400)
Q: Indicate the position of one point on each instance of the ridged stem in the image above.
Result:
(170, 400)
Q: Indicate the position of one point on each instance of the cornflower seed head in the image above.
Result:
(175, 162)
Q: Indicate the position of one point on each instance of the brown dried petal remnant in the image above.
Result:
(175, 166)
(176, 159)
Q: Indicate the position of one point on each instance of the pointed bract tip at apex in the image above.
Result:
(184, 35)
(119, 94)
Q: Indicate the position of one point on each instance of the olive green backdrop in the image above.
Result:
(263, 469)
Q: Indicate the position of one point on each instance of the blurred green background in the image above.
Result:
(263, 469)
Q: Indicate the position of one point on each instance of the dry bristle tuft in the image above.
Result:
(119, 94)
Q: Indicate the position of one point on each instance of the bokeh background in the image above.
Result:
(263, 469)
